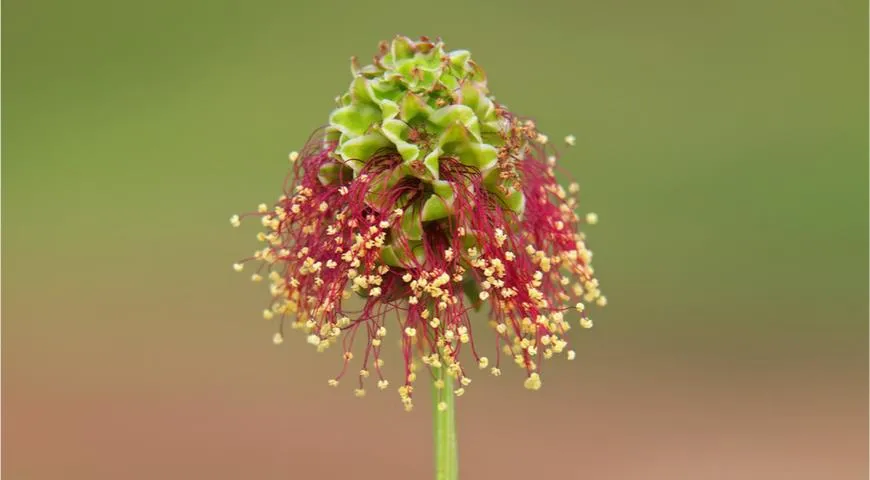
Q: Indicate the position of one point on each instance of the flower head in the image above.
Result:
(424, 199)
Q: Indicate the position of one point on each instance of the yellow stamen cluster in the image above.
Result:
(316, 254)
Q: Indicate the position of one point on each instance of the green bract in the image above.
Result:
(425, 103)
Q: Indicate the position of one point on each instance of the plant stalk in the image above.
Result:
(444, 427)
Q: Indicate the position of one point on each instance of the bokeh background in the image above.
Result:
(723, 144)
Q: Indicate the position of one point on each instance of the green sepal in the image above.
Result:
(516, 202)
(354, 120)
(440, 204)
(396, 256)
(389, 109)
(412, 226)
(443, 189)
(333, 172)
(390, 257)
(413, 106)
(361, 91)
(453, 114)
(469, 240)
(384, 90)
(435, 208)
(419, 251)
(458, 58)
(401, 49)
(397, 131)
(431, 162)
(362, 148)
(479, 155)
(371, 71)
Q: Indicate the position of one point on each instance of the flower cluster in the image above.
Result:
(422, 200)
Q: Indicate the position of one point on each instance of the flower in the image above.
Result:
(423, 199)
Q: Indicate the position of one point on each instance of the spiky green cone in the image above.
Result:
(426, 104)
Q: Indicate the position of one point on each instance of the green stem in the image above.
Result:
(444, 427)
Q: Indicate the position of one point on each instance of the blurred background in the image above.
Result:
(723, 144)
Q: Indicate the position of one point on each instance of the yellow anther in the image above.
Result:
(256, 277)
(571, 140)
(586, 323)
(410, 331)
(293, 156)
(234, 221)
(278, 339)
(571, 354)
(483, 295)
(500, 236)
(359, 393)
(483, 362)
(268, 314)
(332, 382)
(591, 218)
(238, 267)
(533, 382)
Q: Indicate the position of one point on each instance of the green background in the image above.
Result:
(723, 144)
